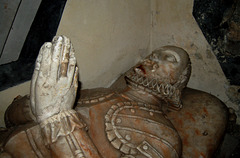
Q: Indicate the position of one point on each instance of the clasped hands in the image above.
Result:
(55, 79)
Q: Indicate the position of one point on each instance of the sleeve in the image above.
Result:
(65, 134)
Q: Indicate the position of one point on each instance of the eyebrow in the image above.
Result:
(176, 55)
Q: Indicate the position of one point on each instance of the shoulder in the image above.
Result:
(197, 97)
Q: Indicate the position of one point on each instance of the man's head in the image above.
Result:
(165, 64)
(166, 72)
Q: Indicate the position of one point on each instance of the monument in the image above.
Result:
(153, 114)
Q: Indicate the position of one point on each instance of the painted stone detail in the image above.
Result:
(133, 128)
(94, 100)
(138, 119)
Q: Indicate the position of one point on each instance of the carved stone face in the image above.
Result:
(164, 74)
(165, 64)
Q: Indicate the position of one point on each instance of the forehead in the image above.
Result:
(163, 54)
(179, 54)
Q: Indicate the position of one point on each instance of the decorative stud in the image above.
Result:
(145, 147)
(128, 137)
(118, 120)
(151, 113)
(132, 110)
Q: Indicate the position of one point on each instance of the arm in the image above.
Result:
(53, 91)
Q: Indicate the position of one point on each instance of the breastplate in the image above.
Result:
(141, 130)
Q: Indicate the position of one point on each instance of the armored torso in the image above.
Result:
(122, 128)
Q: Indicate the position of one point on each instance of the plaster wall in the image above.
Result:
(108, 36)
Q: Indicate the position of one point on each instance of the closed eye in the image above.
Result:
(170, 58)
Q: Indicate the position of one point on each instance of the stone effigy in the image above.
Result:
(153, 115)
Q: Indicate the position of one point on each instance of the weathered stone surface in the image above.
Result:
(153, 116)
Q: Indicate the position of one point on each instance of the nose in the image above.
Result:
(155, 67)
(147, 62)
(140, 69)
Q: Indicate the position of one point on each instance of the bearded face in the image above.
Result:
(165, 73)
(165, 65)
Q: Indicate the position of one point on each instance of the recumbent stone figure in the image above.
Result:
(153, 115)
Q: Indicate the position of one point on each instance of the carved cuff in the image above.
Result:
(59, 125)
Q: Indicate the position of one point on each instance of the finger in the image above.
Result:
(44, 70)
(71, 66)
(33, 81)
(65, 57)
(57, 43)
(70, 97)
(39, 59)
(75, 79)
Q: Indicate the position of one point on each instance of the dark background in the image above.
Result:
(215, 18)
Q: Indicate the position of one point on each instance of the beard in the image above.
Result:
(160, 87)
